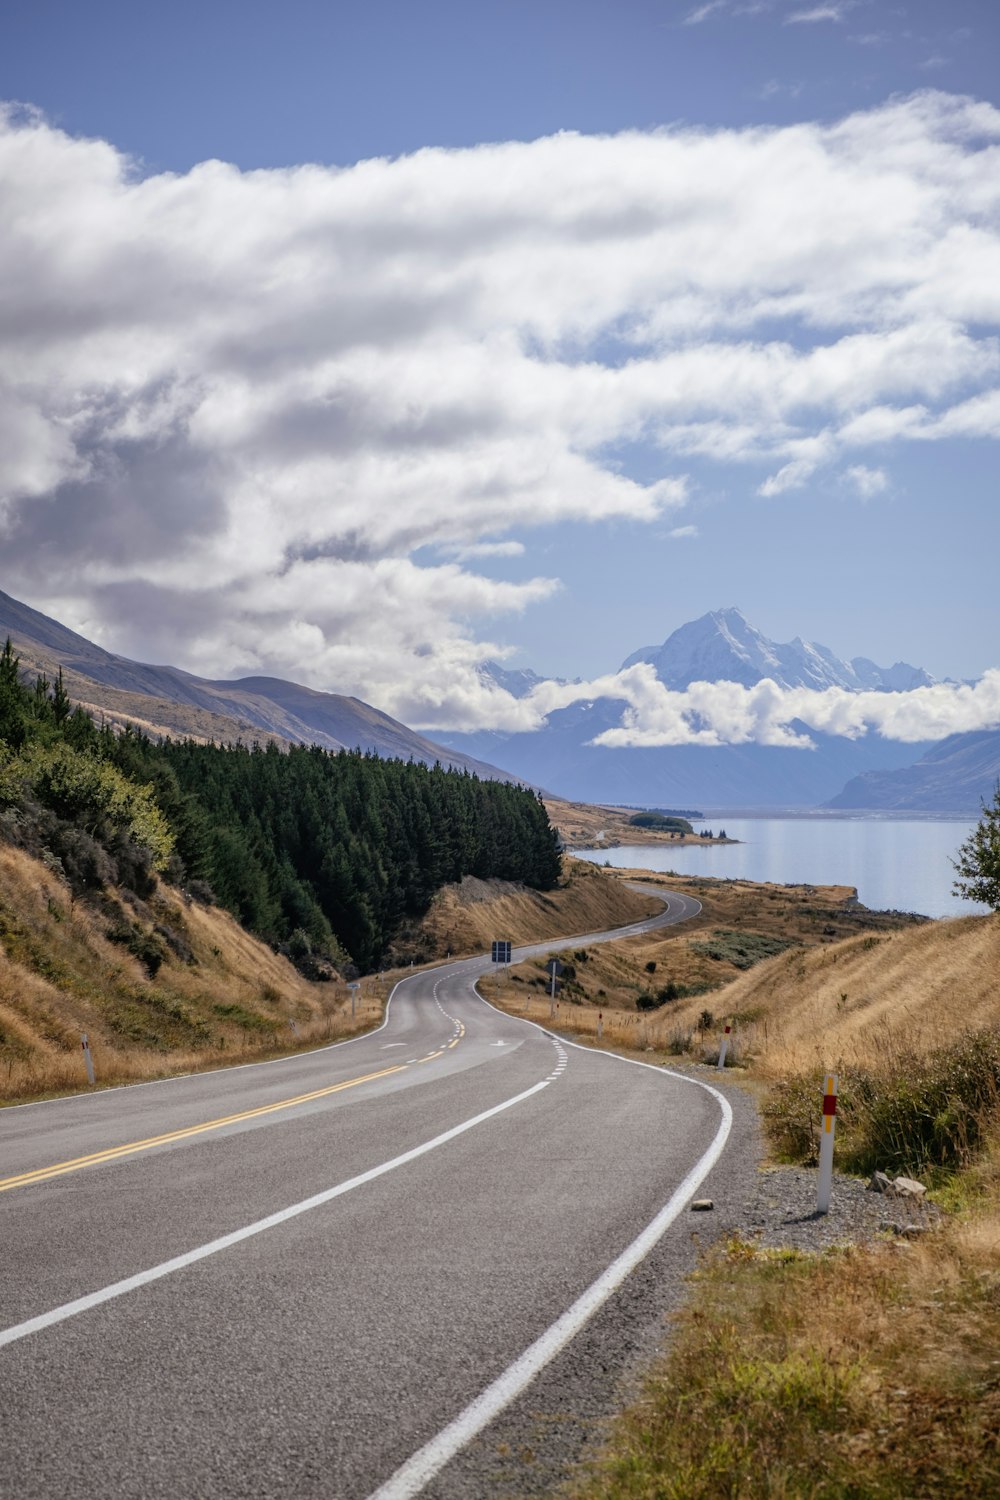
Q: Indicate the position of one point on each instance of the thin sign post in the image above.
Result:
(354, 998)
(88, 1060)
(826, 1144)
(555, 969)
(724, 1046)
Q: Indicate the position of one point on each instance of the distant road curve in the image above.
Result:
(342, 1273)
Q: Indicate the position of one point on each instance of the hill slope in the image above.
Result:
(955, 776)
(863, 1000)
(218, 994)
(164, 700)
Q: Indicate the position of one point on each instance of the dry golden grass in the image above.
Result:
(466, 918)
(60, 976)
(858, 1000)
(862, 1373)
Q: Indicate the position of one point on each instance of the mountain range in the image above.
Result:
(723, 646)
(163, 700)
(953, 775)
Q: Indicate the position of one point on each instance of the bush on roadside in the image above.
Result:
(915, 1114)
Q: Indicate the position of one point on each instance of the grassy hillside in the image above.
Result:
(68, 967)
(465, 918)
(218, 994)
(914, 989)
(660, 984)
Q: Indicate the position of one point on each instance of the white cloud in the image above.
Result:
(833, 12)
(704, 12)
(866, 482)
(486, 549)
(727, 713)
(680, 532)
(235, 407)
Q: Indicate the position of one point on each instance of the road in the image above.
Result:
(354, 1272)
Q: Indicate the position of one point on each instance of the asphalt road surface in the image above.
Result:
(420, 1262)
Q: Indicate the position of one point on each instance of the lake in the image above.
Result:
(898, 863)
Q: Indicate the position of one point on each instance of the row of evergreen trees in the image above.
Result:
(331, 849)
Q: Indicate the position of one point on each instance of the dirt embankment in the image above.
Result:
(466, 918)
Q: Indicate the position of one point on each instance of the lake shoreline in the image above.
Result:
(894, 864)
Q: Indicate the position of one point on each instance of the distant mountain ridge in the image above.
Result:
(723, 646)
(956, 775)
(720, 646)
(164, 700)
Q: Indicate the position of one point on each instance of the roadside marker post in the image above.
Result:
(724, 1046)
(826, 1144)
(600, 1024)
(354, 997)
(555, 968)
(88, 1060)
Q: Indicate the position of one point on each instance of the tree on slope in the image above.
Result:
(978, 862)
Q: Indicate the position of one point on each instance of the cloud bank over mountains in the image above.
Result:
(270, 421)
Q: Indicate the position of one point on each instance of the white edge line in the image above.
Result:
(456, 966)
(411, 1477)
(418, 1470)
(190, 1257)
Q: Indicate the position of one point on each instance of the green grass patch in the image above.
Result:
(248, 1019)
(741, 949)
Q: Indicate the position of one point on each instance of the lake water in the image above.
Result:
(898, 863)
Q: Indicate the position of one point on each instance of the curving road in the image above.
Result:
(349, 1273)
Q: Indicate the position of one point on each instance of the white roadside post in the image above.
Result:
(88, 1060)
(724, 1046)
(600, 1024)
(826, 1144)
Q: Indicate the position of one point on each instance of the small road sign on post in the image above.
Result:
(354, 998)
(501, 951)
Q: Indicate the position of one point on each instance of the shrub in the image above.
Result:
(741, 949)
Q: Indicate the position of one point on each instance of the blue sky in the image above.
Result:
(732, 342)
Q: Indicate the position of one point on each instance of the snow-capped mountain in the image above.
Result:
(720, 646)
(723, 646)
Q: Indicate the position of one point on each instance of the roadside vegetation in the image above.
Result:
(185, 904)
(328, 854)
(862, 1371)
(860, 1374)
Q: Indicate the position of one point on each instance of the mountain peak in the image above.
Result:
(723, 646)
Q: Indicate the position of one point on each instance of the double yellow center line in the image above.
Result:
(130, 1148)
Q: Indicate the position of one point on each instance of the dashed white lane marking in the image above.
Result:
(179, 1262)
(387, 1045)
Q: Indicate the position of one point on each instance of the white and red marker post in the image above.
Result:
(88, 1060)
(724, 1045)
(826, 1144)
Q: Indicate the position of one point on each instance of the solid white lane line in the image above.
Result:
(411, 1477)
(226, 1241)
